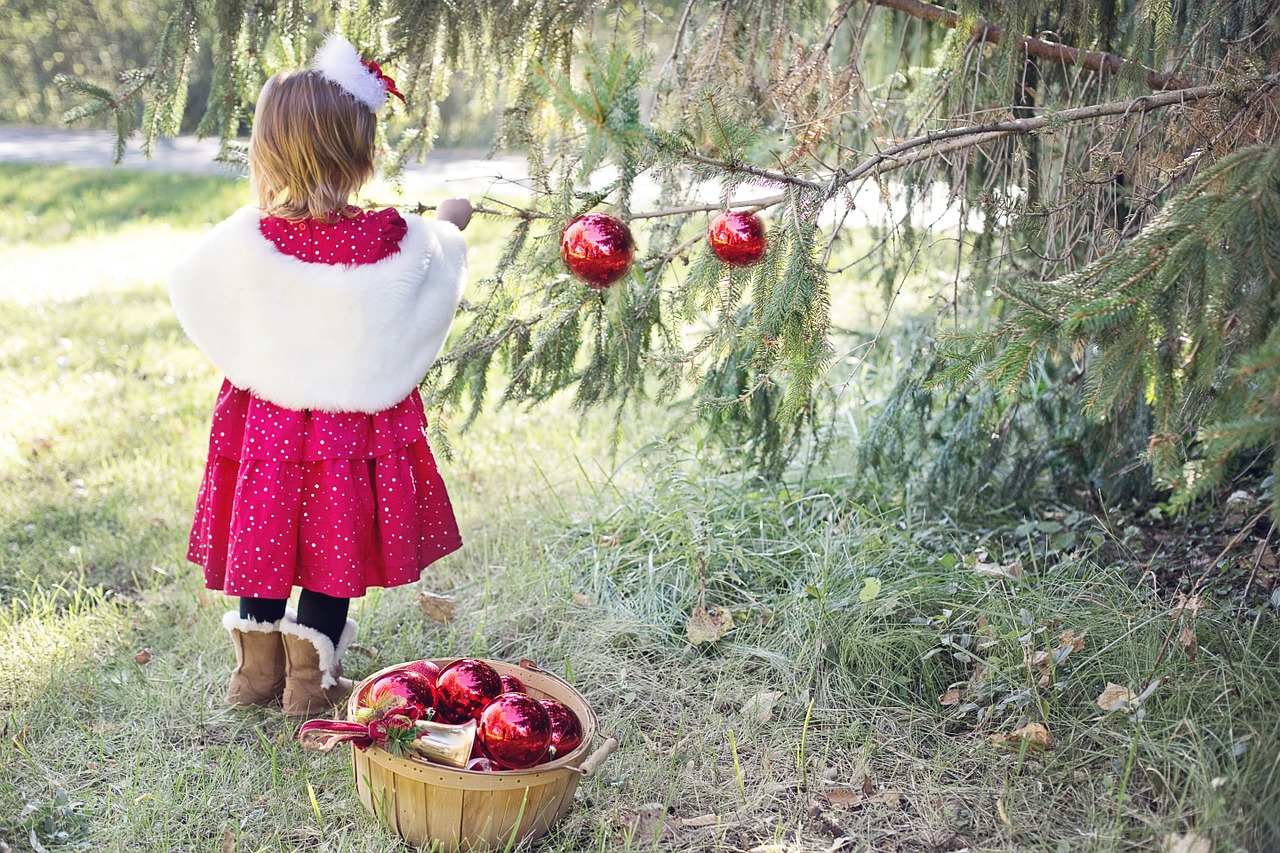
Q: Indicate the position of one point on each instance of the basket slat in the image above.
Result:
(382, 784)
(410, 815)
(444, 816)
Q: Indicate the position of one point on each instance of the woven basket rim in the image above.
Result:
(568, 763)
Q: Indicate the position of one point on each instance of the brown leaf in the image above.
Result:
(143, 657)
(1069, 639)
(704, 627)
(1190, 843)
(760, 706)
(649, 822)
(846, 798)
(1265, 557)
(890, 798)
(1038, 660)
(1189, 642)
(701, 820)
(1115, 697)
(437, 608)
(954, 696)
(1003, 813)
(1011, 571)
(1034, 733)
(1186, 605)
(228, 842)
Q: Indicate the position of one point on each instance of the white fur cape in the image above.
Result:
(317, 336)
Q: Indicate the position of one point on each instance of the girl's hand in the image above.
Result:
(455, 210)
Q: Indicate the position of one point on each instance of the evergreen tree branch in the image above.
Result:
(986, 31)
(940, 143)
(953, 139)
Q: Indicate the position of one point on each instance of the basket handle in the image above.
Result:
(595, 759)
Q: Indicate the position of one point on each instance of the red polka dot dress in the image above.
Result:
(334, 502)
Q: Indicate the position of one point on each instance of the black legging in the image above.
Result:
(326, 614)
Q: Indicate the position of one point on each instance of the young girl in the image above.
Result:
(323, 318)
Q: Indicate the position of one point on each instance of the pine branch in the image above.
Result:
(985, 31)
(943, 142)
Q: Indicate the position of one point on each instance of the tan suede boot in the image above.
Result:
(313, 681)
(258, 678)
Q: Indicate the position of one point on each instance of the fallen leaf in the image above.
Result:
(142, 657)
(845, 798)
(701, 820)
(437, 608)
(1004, 815)
(228, 842)
(649, 822)
(760, 706)
(890, 798)
(1035, 734)
(1189, 642)
(35, 843)
(1265, 557)
(870, 590)
(1115, 697)
(1186, 605)
(1069, 639)
(704, 627)
(954, 696)
(1189, 843)
(1011, 571)
(1038, 659)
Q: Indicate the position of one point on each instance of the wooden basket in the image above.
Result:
(443, 809)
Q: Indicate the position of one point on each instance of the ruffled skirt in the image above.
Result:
(334, 502)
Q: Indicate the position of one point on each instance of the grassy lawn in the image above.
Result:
(868, 688)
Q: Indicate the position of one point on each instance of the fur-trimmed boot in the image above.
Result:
(258, 678)
(313, 681)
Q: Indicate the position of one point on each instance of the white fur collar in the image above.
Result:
(315, 336)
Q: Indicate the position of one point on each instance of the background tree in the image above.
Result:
(1110, 168)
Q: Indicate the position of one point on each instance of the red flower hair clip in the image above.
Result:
(387, 82)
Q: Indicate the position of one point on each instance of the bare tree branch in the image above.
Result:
(985, 31)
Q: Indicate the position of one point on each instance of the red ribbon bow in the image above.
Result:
(387, 82)
(324, 735)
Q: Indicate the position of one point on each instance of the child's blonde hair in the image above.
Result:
(312, 146)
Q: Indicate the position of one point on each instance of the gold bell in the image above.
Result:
(443, 743)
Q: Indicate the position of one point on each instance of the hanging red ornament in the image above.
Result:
(737, 238)
(511, 684)
(566, 728)
(597, 248)
(464, 688)
(426, 668)
(515, 730)
(401, 692)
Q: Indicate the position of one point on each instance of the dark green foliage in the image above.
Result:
(1179, 323)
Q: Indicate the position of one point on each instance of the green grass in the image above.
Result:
(858, 615)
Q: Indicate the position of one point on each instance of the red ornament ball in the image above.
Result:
(464, 688)
(515, 730)
(737, 238)
(511, 684)
(426, 668)
(401, 691)
(597, 248)
(566, 728)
